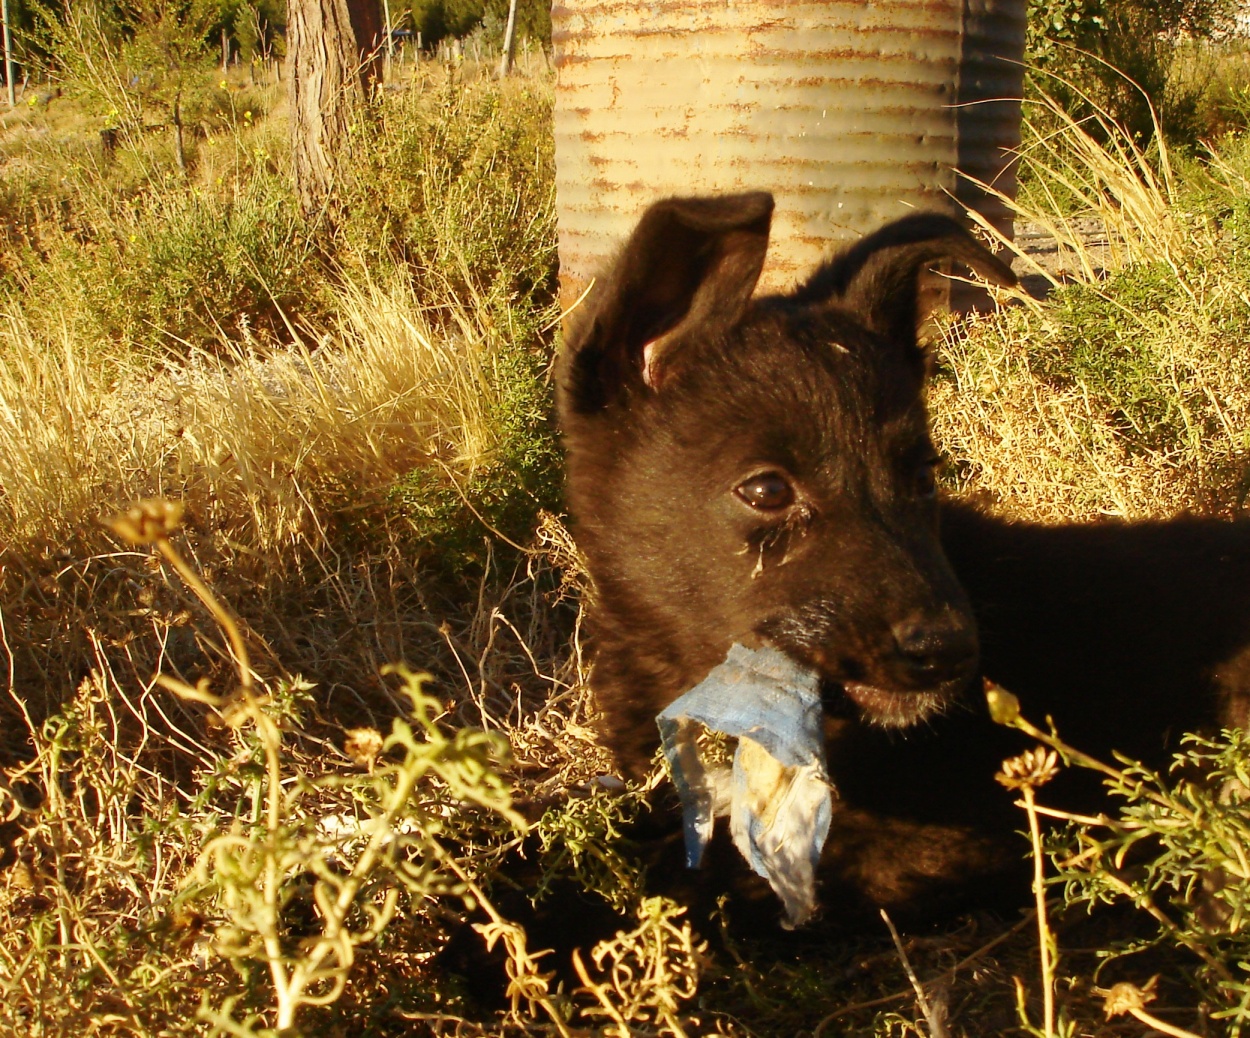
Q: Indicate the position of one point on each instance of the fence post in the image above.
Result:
(509, 41)
(8, 53)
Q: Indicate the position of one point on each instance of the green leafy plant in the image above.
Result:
(1126, 57)
(1177, 847)
(582, 838)
(514, 478)
(356, 871)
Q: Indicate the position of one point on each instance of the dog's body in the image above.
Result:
(760, 471)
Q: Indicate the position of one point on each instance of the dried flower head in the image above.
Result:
(363, 745)
(1032, 768)
(148, 521)
(1125, 997)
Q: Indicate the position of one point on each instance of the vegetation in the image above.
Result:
(438, 19)
(1134, 60)
(222, 817)
(1126, 394)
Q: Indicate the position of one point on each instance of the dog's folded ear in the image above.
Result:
(878, 278)
(691, 264)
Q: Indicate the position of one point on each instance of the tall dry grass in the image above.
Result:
(255, 440)
(1128, 392)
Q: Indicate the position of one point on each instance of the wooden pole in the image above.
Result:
(390, 42)
(8, 53)
(509, 41)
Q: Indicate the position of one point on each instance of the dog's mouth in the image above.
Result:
(873, 695)
(885, 683)
(894, 709)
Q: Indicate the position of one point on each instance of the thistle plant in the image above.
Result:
(419, 781)
(1187, 837)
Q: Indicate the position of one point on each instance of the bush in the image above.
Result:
(516, 479)
(175, 269)
(1126, 394)
(1123, 56)
(458, 186)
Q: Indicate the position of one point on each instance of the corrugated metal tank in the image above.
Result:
(852, 112)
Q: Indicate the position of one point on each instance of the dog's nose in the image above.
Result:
(936, 649)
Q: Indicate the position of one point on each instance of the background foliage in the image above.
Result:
(356, 421)
(1129, 58)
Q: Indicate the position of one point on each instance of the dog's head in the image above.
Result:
(760, 469)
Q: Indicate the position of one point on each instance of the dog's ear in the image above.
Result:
(878, 278)
(690, 267)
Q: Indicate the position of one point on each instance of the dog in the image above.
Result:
(758, 469)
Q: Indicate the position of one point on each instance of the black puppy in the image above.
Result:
(759, 470)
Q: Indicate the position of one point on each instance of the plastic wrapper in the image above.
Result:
(777, 793)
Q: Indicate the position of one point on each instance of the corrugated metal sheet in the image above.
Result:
(851, 112)
(987, 126)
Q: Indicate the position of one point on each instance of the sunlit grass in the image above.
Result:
(1128, 392)
(355, 426)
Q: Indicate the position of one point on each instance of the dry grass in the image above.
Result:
(248, 438)
(1128, 393)
(125, 906)
(313, 464)
(111, 920)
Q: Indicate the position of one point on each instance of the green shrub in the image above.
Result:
(507, 489)
(1188, 836)
(459, 186)
(175, 269)
(1124, 56)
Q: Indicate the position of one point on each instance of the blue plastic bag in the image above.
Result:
(777, 794)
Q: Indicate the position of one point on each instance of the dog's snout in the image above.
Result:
(936, 649)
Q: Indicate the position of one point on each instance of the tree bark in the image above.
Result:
(509, 42)
(334, 55)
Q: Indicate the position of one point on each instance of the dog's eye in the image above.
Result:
(926, 478)
(767, 492)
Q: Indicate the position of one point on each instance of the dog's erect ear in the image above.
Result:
(690, 267)
(878, 277)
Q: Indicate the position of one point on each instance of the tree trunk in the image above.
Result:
(334, 50)
(509, 42)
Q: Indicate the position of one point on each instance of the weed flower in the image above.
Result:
(1004, 707)
(1125, 997)
(148, 521)
(363, 746)
(1032, 768)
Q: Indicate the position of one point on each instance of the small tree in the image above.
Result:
(256, 27)
(334, 50)
(131, 57)
(169, 39)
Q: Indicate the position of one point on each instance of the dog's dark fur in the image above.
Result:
(686, 404)
(760, 470)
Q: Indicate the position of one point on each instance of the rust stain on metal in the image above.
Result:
(851, 113)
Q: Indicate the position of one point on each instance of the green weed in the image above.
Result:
(1176, 847)
(459, 187)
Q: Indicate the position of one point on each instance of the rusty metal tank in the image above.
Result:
(852, 112)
